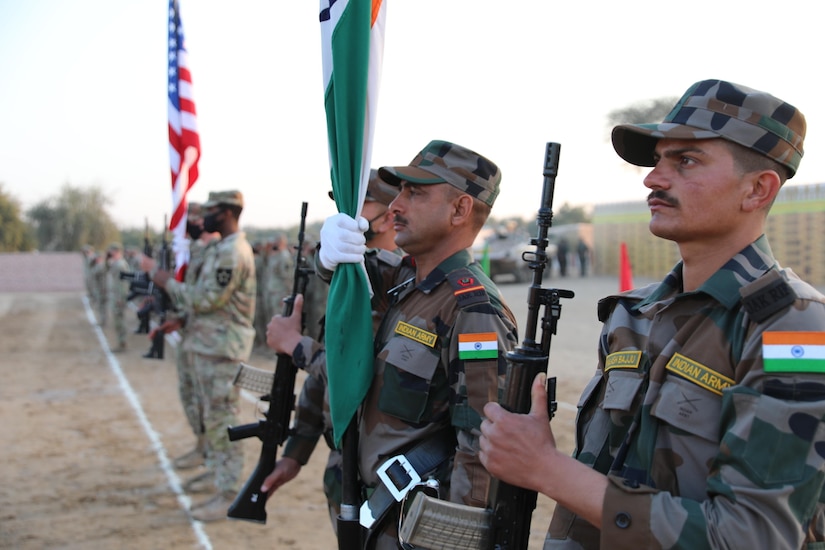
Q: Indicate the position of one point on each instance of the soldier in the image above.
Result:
(88, 253)
(100, 287)
(428, 389)
(702, 427)
(312, 411)
(118, 290)
(179, 295)
(278, 273)
(220, 334)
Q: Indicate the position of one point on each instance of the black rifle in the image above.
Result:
(159, 298)
(513, 506)
(273, 430)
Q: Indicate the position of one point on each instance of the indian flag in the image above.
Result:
(793, 351)
(352, 42)
(478, 345)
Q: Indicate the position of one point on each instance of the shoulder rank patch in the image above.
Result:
(477, 345)
(698, 373)
(466, 288)
(793, 352)
(223, 275)
(414, 333)
(623, 360)
(767, 295)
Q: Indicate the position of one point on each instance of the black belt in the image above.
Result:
(401, 473)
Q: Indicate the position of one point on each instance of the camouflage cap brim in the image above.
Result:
(718, 109)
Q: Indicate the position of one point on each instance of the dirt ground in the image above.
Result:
(89, 435)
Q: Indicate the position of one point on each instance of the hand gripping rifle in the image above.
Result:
(250, 504)
(507, 525)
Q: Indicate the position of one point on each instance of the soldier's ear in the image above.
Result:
(462, 208)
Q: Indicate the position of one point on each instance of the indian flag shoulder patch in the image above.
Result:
(793, 351)
(478, 345)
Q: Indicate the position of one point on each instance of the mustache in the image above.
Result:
(398, 218)
(663, 196)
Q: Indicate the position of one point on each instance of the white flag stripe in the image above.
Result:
(478, 345)
(792, 352)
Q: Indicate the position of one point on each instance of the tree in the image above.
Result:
(15, 234)
(73, 218)
(641, 112)
(568, 214)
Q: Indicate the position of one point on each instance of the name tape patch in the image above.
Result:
(414, 333)
(698, 373)
(623, 360)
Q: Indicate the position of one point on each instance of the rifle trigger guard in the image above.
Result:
(399, 476)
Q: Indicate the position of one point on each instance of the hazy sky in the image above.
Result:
(83, 92)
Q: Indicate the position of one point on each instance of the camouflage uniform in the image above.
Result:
(219, 335)
(705, 448)
(277, 279)
(99, 276)
(423, 386)
(180, 296)
(118, 290)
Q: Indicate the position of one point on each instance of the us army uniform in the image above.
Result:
(424, 387)
(277, 279)
(99, 276)
(219, 335)
(118, 290)
(705, 443)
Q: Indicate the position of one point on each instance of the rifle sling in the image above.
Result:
(424, 457)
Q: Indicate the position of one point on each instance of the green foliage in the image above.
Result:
(15, 234)
(73, 218)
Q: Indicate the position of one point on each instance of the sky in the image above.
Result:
(83, 93)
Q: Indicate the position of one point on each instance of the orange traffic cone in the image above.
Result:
(625, 272)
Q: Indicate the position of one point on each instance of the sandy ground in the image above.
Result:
(89, 435)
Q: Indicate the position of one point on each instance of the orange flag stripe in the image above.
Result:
(790, 338)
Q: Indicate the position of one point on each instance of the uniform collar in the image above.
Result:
(749, 264)
(462, 258)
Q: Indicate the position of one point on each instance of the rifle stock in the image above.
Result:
(513, 506)
(273, 430)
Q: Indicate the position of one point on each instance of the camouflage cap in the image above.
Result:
(719, 109)
(445, 162)
(115, 247)
(226, 198)
(378, 190)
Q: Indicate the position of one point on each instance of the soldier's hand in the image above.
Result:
(284, 333)
(170, 325)
(285, 471)
(342, 241)
(147, 264)
(513, 445)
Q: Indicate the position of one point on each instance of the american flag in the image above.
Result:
(184, 142)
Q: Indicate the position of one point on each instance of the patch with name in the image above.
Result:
(415, 333)
(623, 360)
(772, 294)
(698, 373)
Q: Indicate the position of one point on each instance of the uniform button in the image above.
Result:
(622, 520)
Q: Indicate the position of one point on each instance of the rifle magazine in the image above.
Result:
(253, 379)
(439, 524)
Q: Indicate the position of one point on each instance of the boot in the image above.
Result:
(215, 508)
(203, 483)
(194, 458)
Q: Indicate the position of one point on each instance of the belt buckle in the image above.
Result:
(398, 492)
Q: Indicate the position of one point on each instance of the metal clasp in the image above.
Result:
(399, 476)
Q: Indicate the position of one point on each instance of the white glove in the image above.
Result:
(342, 240)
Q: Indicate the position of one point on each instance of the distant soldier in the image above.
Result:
(277, 278)
(99, 287)
(118, 290)
(88, 253)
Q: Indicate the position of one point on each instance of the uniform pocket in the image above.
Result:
(409, 370)
(688, 407)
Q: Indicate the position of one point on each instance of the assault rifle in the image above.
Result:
(506, 526)
(273, 430)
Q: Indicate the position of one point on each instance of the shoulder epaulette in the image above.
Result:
(386, 257)
(767, 295)
(467, 289)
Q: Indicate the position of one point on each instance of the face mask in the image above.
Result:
(369, 234)
(194, 230)
(211, 222)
